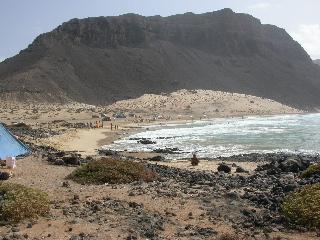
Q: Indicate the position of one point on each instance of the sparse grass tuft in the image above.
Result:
(112, 171)
(18, 202)
(303, 206)
(311, 170)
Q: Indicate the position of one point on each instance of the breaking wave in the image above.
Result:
(230, 136)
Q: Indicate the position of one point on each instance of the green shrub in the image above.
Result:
(311, 170)
(303, 207)
(112, 171)
(18, 202)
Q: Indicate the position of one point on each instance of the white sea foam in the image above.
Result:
(231, 136)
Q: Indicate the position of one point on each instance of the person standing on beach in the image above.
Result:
(194, 160)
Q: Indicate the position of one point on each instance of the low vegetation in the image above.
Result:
(303, 207)
(18, 202)
(112, 171)
(311, 170)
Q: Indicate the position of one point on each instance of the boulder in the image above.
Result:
(71, 159)
(224, 168)
(293, 164)
(146, 141)
(107, 152)
(157, 158)
(4, 175)
(240, 170)
(59, 162)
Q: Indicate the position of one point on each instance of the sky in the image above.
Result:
(21, 21)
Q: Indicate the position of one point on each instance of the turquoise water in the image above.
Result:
(231, 136)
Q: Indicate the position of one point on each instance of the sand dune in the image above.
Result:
(186, 104)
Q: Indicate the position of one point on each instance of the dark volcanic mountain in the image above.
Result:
(103, 59)
(317, 61)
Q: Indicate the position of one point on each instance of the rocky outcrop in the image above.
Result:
(104, 59)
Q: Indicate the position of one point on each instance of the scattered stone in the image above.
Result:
(66, 184)
(167, 150)
(146, 141)
(157, 158)
(4, 175)
(72, 159)
(59, 162)
(224, 168)
(107, 152)
(240, 170)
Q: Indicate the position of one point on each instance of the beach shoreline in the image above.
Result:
(185, 202)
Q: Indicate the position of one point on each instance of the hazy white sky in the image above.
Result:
(21, 20)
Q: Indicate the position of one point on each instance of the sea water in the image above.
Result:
(230, 136)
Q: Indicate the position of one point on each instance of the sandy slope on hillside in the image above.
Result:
(177, 105)
(201, 103)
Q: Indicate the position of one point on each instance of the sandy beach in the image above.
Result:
(182, 206)
(177, 107)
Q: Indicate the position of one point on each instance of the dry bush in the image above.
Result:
(303, 206)
(112, 171)
(18, 202)
(311, 170)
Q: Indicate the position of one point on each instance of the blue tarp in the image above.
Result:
(10, 146)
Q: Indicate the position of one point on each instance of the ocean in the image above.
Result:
(298, 133)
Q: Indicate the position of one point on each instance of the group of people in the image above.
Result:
(114, 127)
(96, 124)
(99, 124)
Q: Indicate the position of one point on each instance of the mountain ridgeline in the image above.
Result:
(103, 59)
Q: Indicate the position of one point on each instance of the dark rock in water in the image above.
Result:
(146, 141)
(224, 168)
(167, 150)
(157, 158)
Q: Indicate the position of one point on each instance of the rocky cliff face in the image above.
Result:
(317, 61)
(100, 60)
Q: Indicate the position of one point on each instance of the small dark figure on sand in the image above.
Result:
(194, 160)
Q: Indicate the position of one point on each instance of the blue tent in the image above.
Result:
(10, 146)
